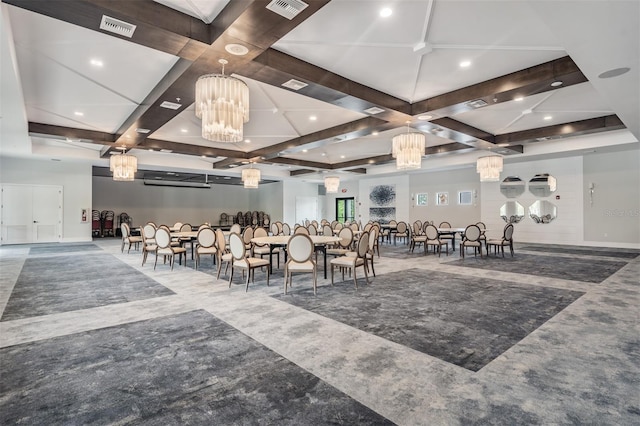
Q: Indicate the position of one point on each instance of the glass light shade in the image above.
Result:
(489, 168)
(408, 150)
(222, 102)
(123, 166)
(331, 183)
(251, 178)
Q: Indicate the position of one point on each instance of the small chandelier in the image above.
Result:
(331, 183)
(408, 150)
(489, 168)
(251, 177)
(222, 102)
(123, 166)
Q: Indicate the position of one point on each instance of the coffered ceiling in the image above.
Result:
(474, 76)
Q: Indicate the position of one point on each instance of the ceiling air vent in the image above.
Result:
(287, 8)
(117, 26)
(170, 105)
(477, 103)
(374, 110)
(294, 84)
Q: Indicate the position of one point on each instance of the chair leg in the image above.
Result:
(355, 279)
(156, 262)
(247, 287)
(230, 277)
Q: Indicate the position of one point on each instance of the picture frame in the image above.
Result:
(442, 198)
(465, 198)
(422, 199)
(84, 215)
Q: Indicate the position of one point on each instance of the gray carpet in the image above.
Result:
(55, 284)
(462, 320)
(62, 248)
(189, 369)
(575, 269)
(587, 251)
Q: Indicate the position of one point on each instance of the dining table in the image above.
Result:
(452, 232)
(319, 241)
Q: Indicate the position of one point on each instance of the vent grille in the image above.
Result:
(117, 26)
(477, 103)
(294, 84)
(287, 8)
(170, 105)
(374, 110)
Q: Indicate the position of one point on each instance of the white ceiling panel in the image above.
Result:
(205, 10)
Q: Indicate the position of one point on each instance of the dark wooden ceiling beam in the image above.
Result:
(581, 127)
(82, 135)
(526, 82)
(300, 172)
(187, 149)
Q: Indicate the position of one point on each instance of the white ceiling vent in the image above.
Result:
(117, 26)
(287, 8)
(374, 110)
(477, 103)
(170, 105)
(294, 84)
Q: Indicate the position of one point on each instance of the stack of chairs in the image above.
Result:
(106, 219)
(96, 224)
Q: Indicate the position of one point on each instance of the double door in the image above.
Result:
(31, 214)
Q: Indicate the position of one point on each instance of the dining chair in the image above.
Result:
(506, 240)
(128, 238)
(274, 229)
(300, 249)
(471, 239)
(241, 261)
(313, 230)
(338, 226)
(247, 235)
(236, 228)
(376, 246)
(264, 249)
(149, 245)
(286, 229)
(222, 254)
(301, 230)
(177, 226)
(327, 230)
(434, 239)
(373, 238)
(206, 240)
(343, 246)
(417, 236)
(163, 241)
(402, 231)
(353, 262)
(446, 225)
(483, 237)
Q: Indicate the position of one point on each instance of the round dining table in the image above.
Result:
(319, 241)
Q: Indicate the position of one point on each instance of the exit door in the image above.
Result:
(31, 214)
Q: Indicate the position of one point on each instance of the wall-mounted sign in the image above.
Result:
(344, 190)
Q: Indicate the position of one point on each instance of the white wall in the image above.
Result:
(452, 182)
(614, 215)
(291, 190)
(73, 177)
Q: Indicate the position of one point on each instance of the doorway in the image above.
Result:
(31, 214)
(345, 209)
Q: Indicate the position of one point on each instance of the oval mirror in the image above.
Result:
(542, 185)
(512, 212)
(512, 187)
(542, 211)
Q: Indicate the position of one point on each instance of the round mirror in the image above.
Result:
(512, 187)
(512, 212)
(543, 211)
(542, 185)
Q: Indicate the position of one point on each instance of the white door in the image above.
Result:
(31, 214)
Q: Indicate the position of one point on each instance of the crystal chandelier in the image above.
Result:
(331, 183)
(123, 166)
(489, 168)
(251, 177)
(222, 102)
(408, 150)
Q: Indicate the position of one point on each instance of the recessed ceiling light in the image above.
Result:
(203, 156)
(425, 117)
(184, 130)
(247, 141)
(78, 113)
(465, 64)
(518, 99)
(557, 83)
(96, 63)
(385, 12)
(305, 150)
(547, 117)
(374, 133)
(150, 150)
(324, 154)
(313, 118)
(166, 150)
(342, 156)
(143, 131)
(227, 177)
